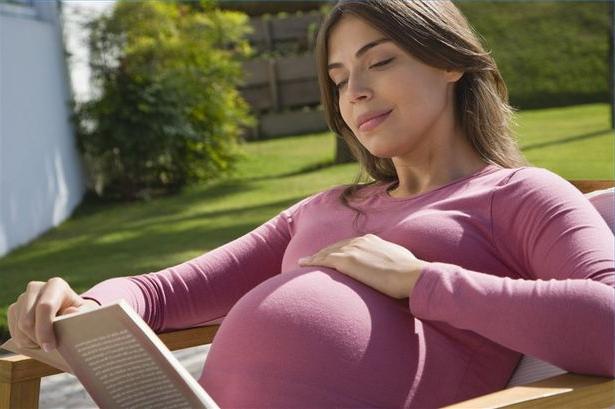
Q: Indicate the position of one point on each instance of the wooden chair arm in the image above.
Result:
(586, 186)
(562, 391)
(191, 337)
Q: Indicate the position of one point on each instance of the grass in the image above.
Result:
(574, 142)
(109, 240)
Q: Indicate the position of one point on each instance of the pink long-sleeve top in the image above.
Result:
(520, 263)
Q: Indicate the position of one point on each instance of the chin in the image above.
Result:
(382, 152)
(383, 145)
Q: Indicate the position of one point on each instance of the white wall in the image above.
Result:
(41, 175)
(75, 13)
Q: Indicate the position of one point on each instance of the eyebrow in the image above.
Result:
(361, 51)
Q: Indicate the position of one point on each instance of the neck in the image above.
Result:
(435, 165)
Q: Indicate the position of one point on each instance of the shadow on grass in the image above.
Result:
(302, 171)
(212, 191)
(269, 207)
(91, 205)
(97, 218)
(139, 238)
(575, 138)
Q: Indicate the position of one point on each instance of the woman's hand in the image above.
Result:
(384, 266)
(30, 317)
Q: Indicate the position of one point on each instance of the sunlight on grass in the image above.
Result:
(574, 142)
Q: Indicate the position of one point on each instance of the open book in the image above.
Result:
(119, 360)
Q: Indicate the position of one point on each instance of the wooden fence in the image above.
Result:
(260, 7)
(283, 91)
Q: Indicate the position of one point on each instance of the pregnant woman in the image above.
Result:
(422, 286)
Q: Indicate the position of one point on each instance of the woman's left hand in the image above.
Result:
(382, 265)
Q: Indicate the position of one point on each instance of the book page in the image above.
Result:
(52, 358)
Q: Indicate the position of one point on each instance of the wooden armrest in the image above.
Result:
(586, 186)
(191, 337)
(568, 390)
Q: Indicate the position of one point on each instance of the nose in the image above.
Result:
(357, 89)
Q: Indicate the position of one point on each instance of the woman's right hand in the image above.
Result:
(30, 317)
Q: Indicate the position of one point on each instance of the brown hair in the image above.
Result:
(438, 34)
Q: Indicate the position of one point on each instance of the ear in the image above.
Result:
(452, 75)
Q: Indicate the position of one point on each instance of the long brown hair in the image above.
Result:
(438, 34)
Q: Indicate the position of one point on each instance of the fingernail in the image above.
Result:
(303, 260)
(47, 347)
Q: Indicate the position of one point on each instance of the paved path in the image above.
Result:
(64, 390)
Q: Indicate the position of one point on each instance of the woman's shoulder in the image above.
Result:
(529, 185)
(531, 177)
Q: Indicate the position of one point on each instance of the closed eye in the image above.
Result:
(381, 63)
(378, 64)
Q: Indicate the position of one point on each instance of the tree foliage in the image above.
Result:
(166, 111)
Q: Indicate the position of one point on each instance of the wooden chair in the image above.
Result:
(20, 376)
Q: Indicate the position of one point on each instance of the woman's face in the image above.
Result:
(375, 76)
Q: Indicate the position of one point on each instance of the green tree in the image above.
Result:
(167, 111)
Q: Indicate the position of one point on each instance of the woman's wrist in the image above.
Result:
(411, 278)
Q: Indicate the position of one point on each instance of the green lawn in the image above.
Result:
(102, 241)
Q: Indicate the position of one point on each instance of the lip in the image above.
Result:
(371, 120)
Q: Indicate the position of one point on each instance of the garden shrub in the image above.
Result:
(166, 110)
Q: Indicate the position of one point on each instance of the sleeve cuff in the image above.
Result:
(421, 293)
(92, 299)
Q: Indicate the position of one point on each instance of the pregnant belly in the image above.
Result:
(315, 338)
